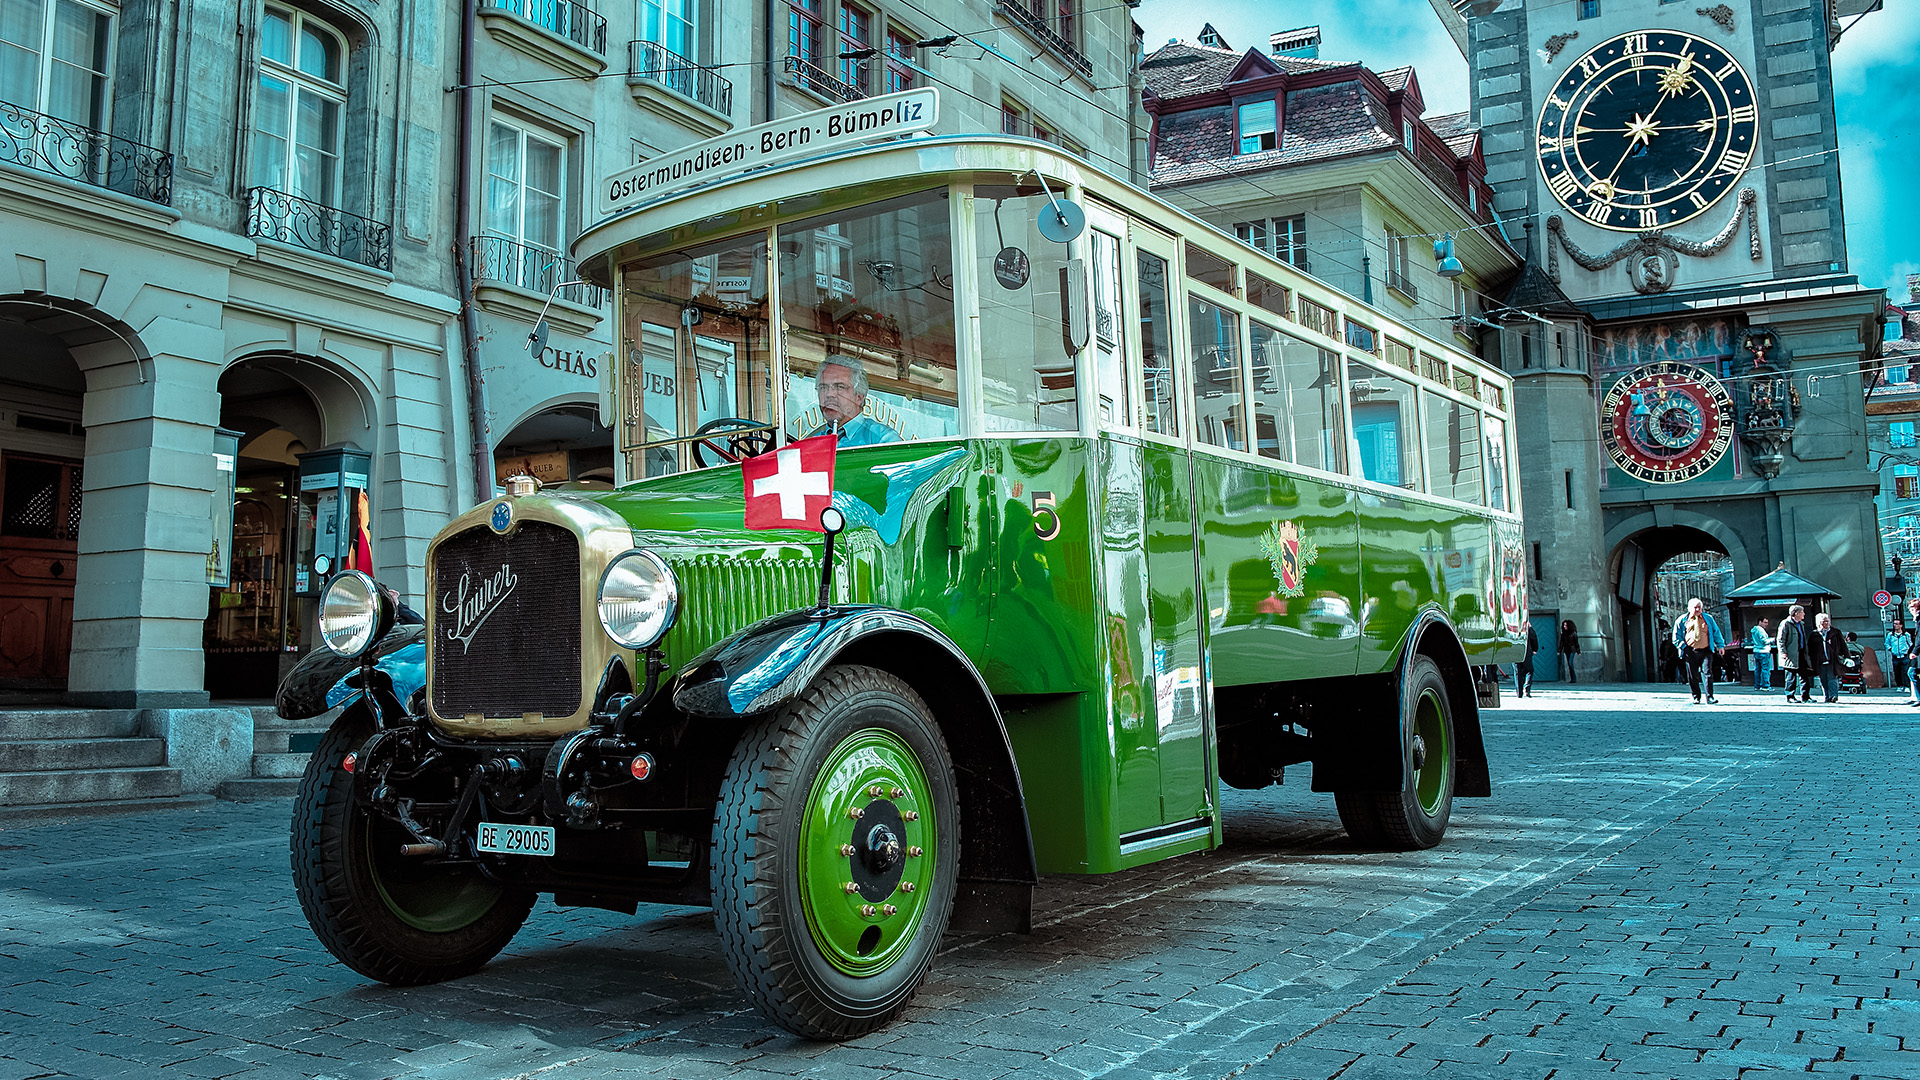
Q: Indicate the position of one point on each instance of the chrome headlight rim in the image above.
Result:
(644, 635)
(350, 613)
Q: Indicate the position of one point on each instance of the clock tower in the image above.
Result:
(1674, 165)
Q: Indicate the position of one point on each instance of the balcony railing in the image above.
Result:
(1036, 27)
(810, 77)
(565, 18)
(289, 219)
(1400, 283)
(49, 144)
(658, 64)
(496, 258)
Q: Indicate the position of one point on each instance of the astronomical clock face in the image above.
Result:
(1667, 422)
(1647, 130)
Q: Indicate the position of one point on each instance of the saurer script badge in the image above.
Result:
(1290, 556)
(474, 600)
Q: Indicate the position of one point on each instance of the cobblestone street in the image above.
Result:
(1655, 889)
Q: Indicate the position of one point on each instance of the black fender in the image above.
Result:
(1359, 750)
(767, 664)
(318, 682)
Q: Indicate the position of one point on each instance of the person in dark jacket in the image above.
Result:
(1523, 671)
(1790, 654)
(1827, 649)
(1569, 647)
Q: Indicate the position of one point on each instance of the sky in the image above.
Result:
(1876, 96)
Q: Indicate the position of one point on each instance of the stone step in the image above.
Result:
(287, 740)
(252, 789)
(47, 813)
(41, 755)
(279, 766)
(87, 785)
(67, 723)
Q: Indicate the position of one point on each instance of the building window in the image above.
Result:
(1397, 265)
(1473, 199)
(803, 30)
(296, 111)
(900, 57)
(1900, 433)
(668, 24)
(1066, 21)
(1587, 9)
(53, 59)
(1906, 482)
(1253, 234)
(1257, 130)
(1013, 118)
(1406, 134)
(526, 199)
(1898, 373)
(856, 33)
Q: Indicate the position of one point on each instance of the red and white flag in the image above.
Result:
(788, 488)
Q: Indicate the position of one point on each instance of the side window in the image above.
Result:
(1297, 389)
(1110, 334)
(1219, 399)
(1496, 437)
(1156, 348)
(1453, 447)
(1027, 363)
(1384, 440)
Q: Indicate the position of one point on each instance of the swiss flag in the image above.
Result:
(788, 488)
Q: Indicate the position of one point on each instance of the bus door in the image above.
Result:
(1173, 678)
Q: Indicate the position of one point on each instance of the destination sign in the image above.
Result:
(770, 143)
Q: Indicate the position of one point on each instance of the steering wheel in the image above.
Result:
(731, 438)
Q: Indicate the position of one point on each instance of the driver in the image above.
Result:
(841, 386)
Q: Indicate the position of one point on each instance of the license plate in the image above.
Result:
(515, 839)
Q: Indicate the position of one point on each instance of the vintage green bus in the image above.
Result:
(1127, 513)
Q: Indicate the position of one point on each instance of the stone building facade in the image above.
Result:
(235, 234)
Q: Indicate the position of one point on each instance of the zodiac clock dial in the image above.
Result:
(1667, 422)
(1647, 130)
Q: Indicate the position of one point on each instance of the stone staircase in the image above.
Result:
(81, 761)
(280, 752)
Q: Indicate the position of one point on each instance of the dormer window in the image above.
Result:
(1406, 134)
(1257, 127)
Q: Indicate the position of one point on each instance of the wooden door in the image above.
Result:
(39, 530)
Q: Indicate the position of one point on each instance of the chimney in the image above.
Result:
(1913, 290)
(1303, 43)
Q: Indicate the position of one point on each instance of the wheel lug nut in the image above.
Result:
(911, 815)
(856, 813)
(897, 793)
(867, 910)
(875, 791)
(888, 909)
(847, 850)
(906, 886)
(850, 888)
(913, 853)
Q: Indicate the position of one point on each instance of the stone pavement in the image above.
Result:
(1656, 889)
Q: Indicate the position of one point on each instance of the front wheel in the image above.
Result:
(835, 853)
(1416, 816)
(388, 916)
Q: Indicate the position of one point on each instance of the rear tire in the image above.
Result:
(387, 916)
(835, 854)
(1415, 817)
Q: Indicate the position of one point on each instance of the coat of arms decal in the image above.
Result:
(1290, 556)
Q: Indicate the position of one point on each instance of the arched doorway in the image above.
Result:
(557, 443)
(1655, 572)
(259, 622)
(42, 446)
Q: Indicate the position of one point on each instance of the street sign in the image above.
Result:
(1882, 598)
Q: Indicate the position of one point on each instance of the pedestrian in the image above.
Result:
(1899, 643)
(1523, 671)
(1698, 638)
(1828, 651)
(1569, 647)
(1760, 640)
(1790, 654)
(1913, 655)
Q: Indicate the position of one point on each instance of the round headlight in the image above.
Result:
(638, 599)
(349, 613)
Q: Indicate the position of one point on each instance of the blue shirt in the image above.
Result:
(1714, 640)
(859, 431)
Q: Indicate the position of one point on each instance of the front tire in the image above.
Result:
(385, 915)
(835, 854)
(1416, 816)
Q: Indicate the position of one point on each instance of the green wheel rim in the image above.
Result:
(855, 931)
(1430, 780)
(435, 900)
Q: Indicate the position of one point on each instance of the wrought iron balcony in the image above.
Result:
(1036, 27)
(49, 144)
(810, 77)
(289, 219)
(565, 18)
(658, 64)
(1399, 282)
(496, 258)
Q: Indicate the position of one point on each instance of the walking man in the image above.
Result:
(1523, 671)
(1760, 640)
(1790, 653)
(1698, 638)
(1828, 650)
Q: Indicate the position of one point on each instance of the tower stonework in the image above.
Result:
(1677, 166)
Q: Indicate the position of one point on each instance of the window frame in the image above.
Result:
(691, 8)
(101, 111)
(902, 65)
(853, 31)
(524, 131)
(1271, 129)
(300, 82)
